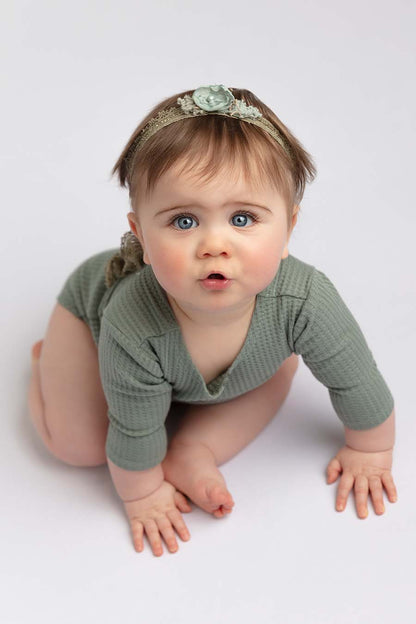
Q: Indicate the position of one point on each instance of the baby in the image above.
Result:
(197, 322)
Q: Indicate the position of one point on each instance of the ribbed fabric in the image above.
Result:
(145, 365)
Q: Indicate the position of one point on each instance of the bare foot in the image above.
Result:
(192, 470)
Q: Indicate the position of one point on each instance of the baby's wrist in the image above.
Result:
(365, 450)
(376, 440)
(141, 497)
(135, 484)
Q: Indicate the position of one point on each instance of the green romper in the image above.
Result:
(145, 365)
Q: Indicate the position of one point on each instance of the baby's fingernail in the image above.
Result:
(340, 507)
(393, 499)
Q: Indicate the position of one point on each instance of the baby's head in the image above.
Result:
(178, 138)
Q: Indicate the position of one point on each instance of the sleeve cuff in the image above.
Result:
(138, 452)
(363, 410)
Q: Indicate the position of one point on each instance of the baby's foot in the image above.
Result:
(192, 470)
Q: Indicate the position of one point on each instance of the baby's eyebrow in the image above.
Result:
(195, 204)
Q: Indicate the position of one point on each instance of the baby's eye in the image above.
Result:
(183, 222)
(241, 219)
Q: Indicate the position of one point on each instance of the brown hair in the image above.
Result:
(216, 142)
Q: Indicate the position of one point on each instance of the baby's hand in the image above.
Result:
(368, 471)
(156, 514)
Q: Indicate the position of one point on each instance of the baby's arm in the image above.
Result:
(139, 399)
(334, 348)
(152, 505)
(365, 462)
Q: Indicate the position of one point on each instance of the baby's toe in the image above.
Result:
(219, 496)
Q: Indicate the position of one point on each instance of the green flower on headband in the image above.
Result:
(217, 98)
(213, 98)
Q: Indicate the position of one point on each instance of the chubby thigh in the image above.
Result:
(75, 408)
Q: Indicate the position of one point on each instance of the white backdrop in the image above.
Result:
(77, 77)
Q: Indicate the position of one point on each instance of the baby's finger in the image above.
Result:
(388, 483)
(361, 495)
(153, 536)
(344, 488)
(333, 470)
(168, 534)
(182, 503)
(137, 533)
(178, 522)
(376, 490)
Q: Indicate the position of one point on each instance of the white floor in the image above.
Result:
(78, 80)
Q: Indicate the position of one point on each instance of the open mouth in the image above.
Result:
(216, 281)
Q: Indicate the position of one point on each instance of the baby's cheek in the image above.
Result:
(176, 264)
(265, 264)
(169, 268)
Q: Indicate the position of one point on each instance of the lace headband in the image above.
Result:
(214, 99)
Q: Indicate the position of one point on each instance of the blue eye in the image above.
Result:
(184, 222)
(240, 219)
(187, 222)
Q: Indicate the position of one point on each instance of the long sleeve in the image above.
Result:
(333, 347)
(138, 400)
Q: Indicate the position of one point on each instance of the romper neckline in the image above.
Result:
(216, 386)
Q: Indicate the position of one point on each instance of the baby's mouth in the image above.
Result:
(216, 281)
(215, 276)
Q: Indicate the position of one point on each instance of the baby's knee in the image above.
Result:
(78, 454)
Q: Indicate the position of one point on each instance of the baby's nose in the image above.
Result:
(214, 243)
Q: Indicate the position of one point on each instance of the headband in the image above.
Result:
(211, 100)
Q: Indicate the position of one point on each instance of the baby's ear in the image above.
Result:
(135, 228)
(131, 218)
(296, 209)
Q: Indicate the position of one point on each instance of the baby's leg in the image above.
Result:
(209, 435)
(66, 401)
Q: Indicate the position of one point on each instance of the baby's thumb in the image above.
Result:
(333, 470)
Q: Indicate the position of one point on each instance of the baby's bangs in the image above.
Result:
(210, 146)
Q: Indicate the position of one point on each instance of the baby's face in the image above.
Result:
(190, 229)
